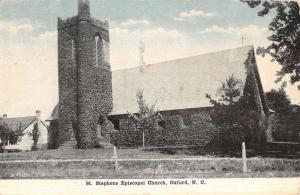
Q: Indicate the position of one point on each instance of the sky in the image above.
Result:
(170, 29)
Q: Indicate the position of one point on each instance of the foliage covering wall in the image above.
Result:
(174, 130)
(53, 135)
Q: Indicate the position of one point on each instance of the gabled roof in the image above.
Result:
(178, 84)
(14, 123)
(54, 114)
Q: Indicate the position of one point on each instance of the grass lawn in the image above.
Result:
(92, 154)
(136, 163)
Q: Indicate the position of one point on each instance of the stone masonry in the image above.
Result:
(85, 81)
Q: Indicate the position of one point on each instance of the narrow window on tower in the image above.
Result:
(105, 52)
(73, 49)
(97, 50)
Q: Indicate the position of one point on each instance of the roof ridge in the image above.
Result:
(19, 117)
(183, 58)
(28, 125)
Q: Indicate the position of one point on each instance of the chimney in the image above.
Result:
(84, 10)
(38, 119)
(4, 116)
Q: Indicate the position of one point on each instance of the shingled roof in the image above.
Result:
(176, 84)
(14, 123)
(180, 83)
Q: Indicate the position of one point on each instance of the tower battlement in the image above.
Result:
(63, 22)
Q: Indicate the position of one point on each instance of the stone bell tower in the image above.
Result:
(85, 81)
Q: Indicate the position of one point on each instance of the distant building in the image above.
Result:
(26, 125)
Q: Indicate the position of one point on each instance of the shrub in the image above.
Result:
(127, 136)
(107, 128)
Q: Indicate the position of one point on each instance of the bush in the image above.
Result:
(127, 136)
(107, 128)
(202, 131)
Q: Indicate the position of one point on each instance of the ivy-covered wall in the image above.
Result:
(191, 127)
(85, 80)
(53, 135)
(126, 136)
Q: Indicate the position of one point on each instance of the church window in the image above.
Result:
(73, 49)
(97, 50)
(105, 45)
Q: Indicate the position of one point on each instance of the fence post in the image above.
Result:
(244, 157)
(144, 139)
(116, 158)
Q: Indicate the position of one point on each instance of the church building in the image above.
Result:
(89, 90)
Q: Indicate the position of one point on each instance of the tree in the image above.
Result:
(147, 117)
(292, 122)
(236, 118)
(285, 28)
(7, 134)
(4, 133)
(286, 126)
(16, 136)
(35, 135)
(229, 92)
(278, 101)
